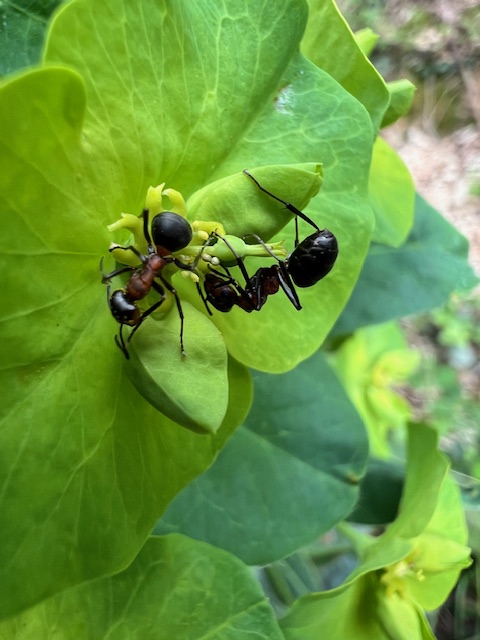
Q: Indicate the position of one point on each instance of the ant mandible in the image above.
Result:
(170, 232)
(310, 261)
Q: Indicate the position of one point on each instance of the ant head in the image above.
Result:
(171, 231)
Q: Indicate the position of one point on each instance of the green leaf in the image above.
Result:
(72, 424)
(392, 195)
(236, 200)
(292, 112)
(370, 363)
(416, 277)
(380, 492)
(164, 379)
(401, 93)
(22, 30)
(172, 92)
(357, 612)
(388, 604)
(301, 432)
(366, 40)
(175, 588)
(327, 31)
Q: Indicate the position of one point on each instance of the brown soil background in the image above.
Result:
(436, 45)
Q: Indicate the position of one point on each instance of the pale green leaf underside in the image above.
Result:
(191, 390)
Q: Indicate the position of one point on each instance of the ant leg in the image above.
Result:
(170, 288)
(131, 248)
(108, 296)
(204, 300)
(106, 277)
(288, 286)
(246, 294)
(151, 309)
(194, 264)
(239, 259)
(226, 277)
(145, 315)
(283, 275)
(146, 232)
(288, 206)
(120, 342)
(250, 293)
(264, 245)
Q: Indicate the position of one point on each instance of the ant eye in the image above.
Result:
(171, 231)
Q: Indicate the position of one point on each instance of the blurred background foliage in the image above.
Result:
(426, 367)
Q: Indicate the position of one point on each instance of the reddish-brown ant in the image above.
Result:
(170, 232)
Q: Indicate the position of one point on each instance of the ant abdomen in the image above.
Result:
(122, 310)
(313, 258)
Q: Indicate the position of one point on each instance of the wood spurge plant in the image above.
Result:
(140, 484)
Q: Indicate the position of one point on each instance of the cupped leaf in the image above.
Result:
(418, 276)
(191, 390)
(175, 588)
(301, 432)
(22, 31)
(239, 203)
(392, 195)
(328, 31)
(427, 469)
(442, 549)
(401, 93)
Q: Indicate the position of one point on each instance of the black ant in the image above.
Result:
(310, 261)
(314, 257)
(170, 232)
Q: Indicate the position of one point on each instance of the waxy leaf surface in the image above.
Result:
(131, 95)
(286, 476)
(175, 588)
